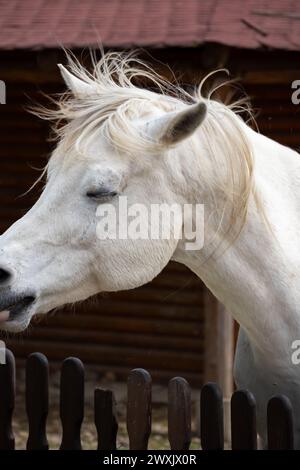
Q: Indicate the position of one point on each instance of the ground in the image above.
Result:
(158, 440)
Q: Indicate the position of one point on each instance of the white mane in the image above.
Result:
(118, 101)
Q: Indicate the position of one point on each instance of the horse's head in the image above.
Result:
(117, 142)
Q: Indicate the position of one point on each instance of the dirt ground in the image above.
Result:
(158, 440)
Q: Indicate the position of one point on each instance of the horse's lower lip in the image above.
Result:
(4, 315)
(15, 309)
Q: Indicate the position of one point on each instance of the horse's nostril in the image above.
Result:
(4, 275)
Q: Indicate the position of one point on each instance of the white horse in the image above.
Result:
(165, 147)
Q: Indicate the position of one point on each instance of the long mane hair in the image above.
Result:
(117, 99)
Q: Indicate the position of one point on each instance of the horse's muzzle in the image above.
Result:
(13, 307)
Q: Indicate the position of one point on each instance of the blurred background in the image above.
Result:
(172, 326)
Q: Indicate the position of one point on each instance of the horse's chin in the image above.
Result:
(15, 326)
(16, 311)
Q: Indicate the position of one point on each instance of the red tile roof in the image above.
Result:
(78, 23)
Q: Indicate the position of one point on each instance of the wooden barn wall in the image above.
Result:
(157, 326)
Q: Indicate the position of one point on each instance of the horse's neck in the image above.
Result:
(258, 277)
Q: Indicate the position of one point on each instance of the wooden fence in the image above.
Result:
(243, 414)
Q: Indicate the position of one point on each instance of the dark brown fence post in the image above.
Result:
(106, 419)
(243, 421)
(211, 417)
(179, 414)
(280, 423)
(139, 409)
(37, 397)
(7, 401)
(71, 403)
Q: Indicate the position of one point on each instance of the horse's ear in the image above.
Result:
(77, 86)
(176, 126)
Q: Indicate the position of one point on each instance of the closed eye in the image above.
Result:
(101, 194)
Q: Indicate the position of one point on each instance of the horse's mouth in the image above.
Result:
(14, 311)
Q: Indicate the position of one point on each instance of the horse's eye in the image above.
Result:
(101, 194)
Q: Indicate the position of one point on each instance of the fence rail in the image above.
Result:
(243, 414)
